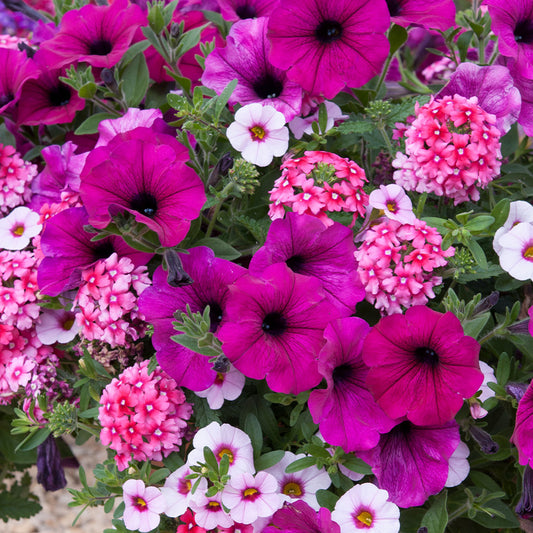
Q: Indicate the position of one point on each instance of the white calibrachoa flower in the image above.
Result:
(209, 512)
(56, 325)
(227, 386)
(259, 133)
(458, 466)
(18, 228)
(516, 253)
(519, 211)
(365, 507)
(249, 498)
(177, 491)
(143, 506)
(224, 440)
(394, 202)
(301, 485)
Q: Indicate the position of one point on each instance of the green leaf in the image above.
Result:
(479, 223)
(477, 253)
(503, 370)
(252, 427)
(326, 499)
(269, 459)
(159, 475)
(322, 117)
(223, 97)
(190, 39)
(474, 327)
(500, 214)
(108, 505)
(88, 90)
(300, 464)
(483, 481)
(135, 80)
(436, 517)
(221, 248)
(13, 507)
(463, 42)
(133, 51)
(34, 439)
(493, 521)
(397, 37)
(437, 223)
(356, 465)
(355, 126)
(90, 125)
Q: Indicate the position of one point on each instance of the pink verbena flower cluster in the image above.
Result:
(452, 147)
(396, 262)
(107, 299)
(16, 176)
(24, 360)
(143, 415)
(317, 183)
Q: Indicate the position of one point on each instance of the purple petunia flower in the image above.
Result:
(234, 10)
(50, 473)
(494, 88)
(438, 14)
(143, 173)
(312, 249)
(275, 326)
(411, 462)
(95, 34)
(299, 517)
(68, 250)
(524, 85)
(512, 22)
(245, 58)
(211, 277)
(524, 426)
(346, 412)
(421, 365)
(325, 45)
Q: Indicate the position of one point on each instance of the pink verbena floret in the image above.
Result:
(396, 263)
(452, 147)
(317, 183)
(16, 176)
(143, 415)
(107, 300)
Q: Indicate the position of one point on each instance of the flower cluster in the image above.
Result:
(452, 147)
(107, 299)
(317, 183)
(143, 415)
(396, 263)
(16, 176)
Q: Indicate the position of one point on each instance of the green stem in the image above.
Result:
(458, 512)
(384, 73)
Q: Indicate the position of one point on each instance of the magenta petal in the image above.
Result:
(438, 14)
(524, 428)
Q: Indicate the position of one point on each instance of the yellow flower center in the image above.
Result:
(140, 502)
(391, 206)
(365, 518)
(213, 505)
(257, 133)
(220, 378)
(18, 231)
(250, 492)
(528, 253)
(227, 452)
(292, 489)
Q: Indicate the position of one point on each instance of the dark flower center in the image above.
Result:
(103, 250)
(215, 316)
(268, 86)
(274, 324)
(102, 47)
(145, 203)
(341, 373)
(427, 356)
(328, 31)
(295, 263)
(395, 7)
(523, 32)
(404, 428)
(59, 95)
(246, 11)
(5, 99)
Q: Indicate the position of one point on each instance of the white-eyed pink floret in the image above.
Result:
(107, 300)
(16, 176)
(143, 416)
(396, 263)
(452, 149)
(317, 183)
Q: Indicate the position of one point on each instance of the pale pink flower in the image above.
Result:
(227, 386)
(56, 325)
(519, 211)
(177, 491)
(249, 498)
(143, 505)
(516, 254)
(393, 202)
(209, 512)
(458, 465)
(18, 228)
(259, 133)
(299, 125)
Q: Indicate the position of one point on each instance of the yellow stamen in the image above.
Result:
(18, 231)
(220, 378)
(227, 452)
(391, 206)
(257, 132)
(250, 492)
(140, 502)
(213, 504)
(365, 518)
(528, 252)
(68, 324)
(292, 489)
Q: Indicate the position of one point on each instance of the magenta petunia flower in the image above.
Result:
(143, 173)
(68, 250)
(234, 10)
(95, 34)
(422, 365)
(524, 85)
(512, 22)
(45, 99)
(438, 14)
(325, 45)
(308, 247)
(524, 426)
(346, 412)
(275, 326)
(494, 88)
(411, 462)
(211, 277)
(245, 58)
(299, 517)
